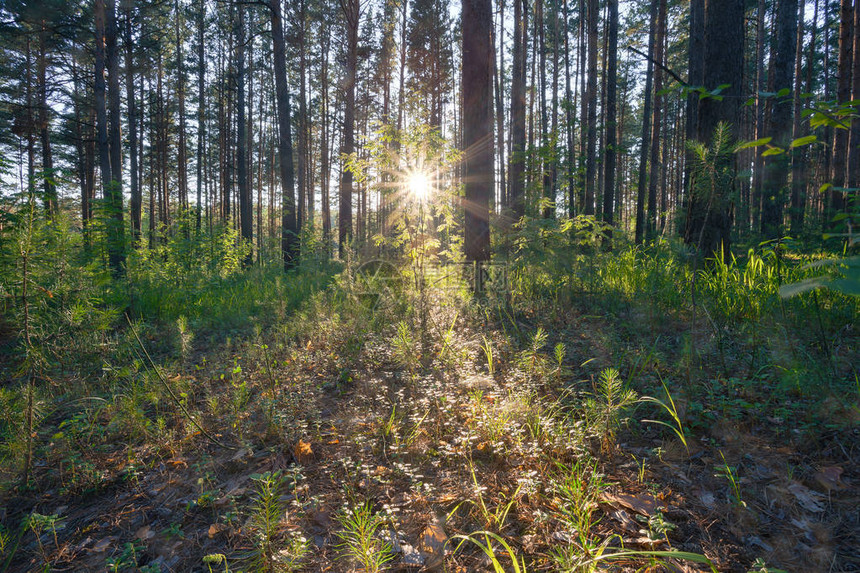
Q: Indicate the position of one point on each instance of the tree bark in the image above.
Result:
(44, 126)
(610, 151)
(591, 97)
(708, 221)
(695, 71)
(477, 125)
(201, 108)
(285, 145)
(646, 131)
(854, 135)
(516, 159)
(836, 193)
(656, 122)
(798, 157)
(351, 14)
(246, 222)
(303, 152)
(136, 197)
(182, 153)
(776, 167)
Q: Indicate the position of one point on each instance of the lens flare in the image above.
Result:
(419, 185)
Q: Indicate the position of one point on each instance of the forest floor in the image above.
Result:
(358, 439)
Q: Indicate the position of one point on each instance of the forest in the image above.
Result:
(429, 285)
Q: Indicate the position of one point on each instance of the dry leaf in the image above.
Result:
(144, 533)
(104, 544)
(303, 452)
(643, 503)
(215, 529)
(808, 499)
(830, 478)
(432, 546)
(624, 518)
(708, 499)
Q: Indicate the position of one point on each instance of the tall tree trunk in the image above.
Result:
(288, 205)
(153, 151)
(201, 107)
(303, 183)
(516, 158)
(760, 108)
(351, 13)
(708, 221)
(182, 159)
(401, 96)
(44, 126)
(610, 150)
(570, 105)
(591, 97)
(646, 130)
(29, 120)
(554, 144)
(477, 125)
(776, 167)
(656, 122)
(854, 136)
(543, 161)
(116, 247)
(843, 95)
(695, 70)
(99, 97)
(246, 221)
(798, 158)
(325, 167)
(136, 198)
(826, 155)
(498, 78)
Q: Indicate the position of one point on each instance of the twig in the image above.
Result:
(660, 65)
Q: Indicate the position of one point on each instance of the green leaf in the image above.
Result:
(825, 187)
(783, 92)
(800, 141)
(773, 151)
(755, 143)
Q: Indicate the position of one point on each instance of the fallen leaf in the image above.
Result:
(103, 544)
(624, 518)
(808, 499)
(243, 453)
(707, 499)
(432, 546)
(215, 529)
(144, 533)
(830, 478)
(644, 504)
(303, 452)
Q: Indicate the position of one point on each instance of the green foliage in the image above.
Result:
(604, 409)
(669, 407)
(266, 514)
(730, 474)
(360, 539)
(405, 352)
(532, 359)
(486, 546)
